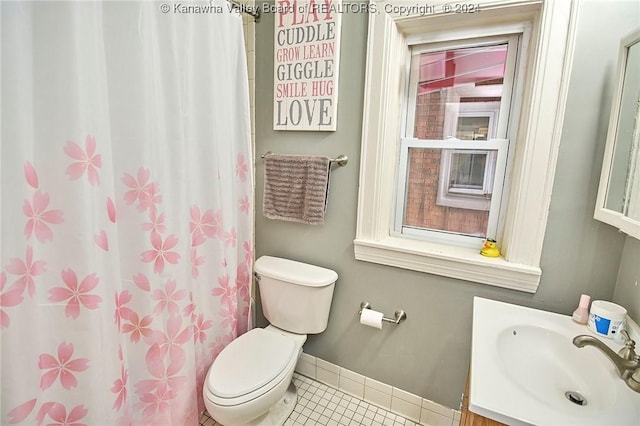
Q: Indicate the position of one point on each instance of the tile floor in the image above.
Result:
(322, 405)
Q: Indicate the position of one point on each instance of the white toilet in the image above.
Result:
(249, 383)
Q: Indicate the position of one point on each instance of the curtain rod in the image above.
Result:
(243, 8)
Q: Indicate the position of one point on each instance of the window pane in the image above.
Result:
(451, 81)
(473, 128)
(467, 170)
(422, 209)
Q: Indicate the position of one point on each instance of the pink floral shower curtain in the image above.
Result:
(126, 209)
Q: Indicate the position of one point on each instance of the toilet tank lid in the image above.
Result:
(294, 272)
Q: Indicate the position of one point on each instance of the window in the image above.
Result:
(458, 105)
(480, 97)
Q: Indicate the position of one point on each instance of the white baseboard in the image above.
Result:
(398, 401)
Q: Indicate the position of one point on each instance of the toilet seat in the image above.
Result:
(250, 366)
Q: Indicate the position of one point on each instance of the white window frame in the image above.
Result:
(550, 41)
(466, 198)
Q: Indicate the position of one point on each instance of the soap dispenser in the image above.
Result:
(581, 314)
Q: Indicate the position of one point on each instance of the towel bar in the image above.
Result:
(341, 160)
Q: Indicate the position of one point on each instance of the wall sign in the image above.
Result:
(306, 57)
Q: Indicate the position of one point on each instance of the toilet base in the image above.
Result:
(277, 415)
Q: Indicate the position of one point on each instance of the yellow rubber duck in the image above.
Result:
(489, 248)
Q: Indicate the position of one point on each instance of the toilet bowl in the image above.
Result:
(249, 383)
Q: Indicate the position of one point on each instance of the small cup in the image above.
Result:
(606, 319)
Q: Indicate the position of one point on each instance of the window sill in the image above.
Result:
(449, 261)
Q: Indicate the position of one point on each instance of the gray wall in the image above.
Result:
(429, 354)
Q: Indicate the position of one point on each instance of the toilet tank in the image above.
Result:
(295, 296)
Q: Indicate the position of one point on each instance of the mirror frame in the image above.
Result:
(619, 220)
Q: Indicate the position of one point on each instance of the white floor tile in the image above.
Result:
(320, 404)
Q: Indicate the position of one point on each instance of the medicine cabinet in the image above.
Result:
(618, 202)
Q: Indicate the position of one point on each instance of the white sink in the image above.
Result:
(523, 363)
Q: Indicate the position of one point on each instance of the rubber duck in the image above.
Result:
(489, 248)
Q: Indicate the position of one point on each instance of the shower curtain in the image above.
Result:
(126, 209)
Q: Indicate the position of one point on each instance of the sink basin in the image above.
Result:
(526, 370)
(526, 351)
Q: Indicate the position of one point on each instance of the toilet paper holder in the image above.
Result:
(398, 316)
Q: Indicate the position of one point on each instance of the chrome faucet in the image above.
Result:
(626, 361)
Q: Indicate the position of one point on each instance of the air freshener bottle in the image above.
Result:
(581, 314)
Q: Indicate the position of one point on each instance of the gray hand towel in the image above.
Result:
(295, 188)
